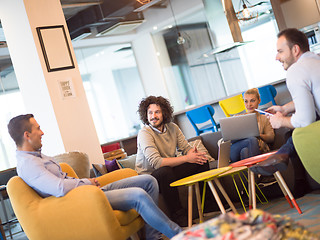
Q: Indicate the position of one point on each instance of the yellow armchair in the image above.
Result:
(83, 213)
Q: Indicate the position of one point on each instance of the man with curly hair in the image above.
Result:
(158, 142)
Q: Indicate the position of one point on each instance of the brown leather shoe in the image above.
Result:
(276, 162)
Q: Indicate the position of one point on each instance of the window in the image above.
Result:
(203, 78)
(113, 87)
(259, 56)
(11, 105)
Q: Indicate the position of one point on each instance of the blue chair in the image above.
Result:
(202, 119)
(267, 94)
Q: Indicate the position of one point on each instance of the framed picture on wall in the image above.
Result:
(55, 48)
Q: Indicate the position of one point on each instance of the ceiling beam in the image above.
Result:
(232, 21)
(80, 4)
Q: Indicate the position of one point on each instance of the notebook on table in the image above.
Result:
(239, 127)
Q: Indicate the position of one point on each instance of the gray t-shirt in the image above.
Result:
(153, 146)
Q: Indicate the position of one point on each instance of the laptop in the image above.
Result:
(224, 154)
(239, 127)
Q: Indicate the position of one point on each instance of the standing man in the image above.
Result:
(44, 175)
(303, 82)
(158, 142)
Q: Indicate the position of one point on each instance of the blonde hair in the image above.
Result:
(254, 91)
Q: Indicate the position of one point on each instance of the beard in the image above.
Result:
(156, 124)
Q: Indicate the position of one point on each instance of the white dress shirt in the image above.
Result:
(44, 175)
(303, 82)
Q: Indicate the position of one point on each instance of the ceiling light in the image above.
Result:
(250, 12)
(180, 39)
(247, 13)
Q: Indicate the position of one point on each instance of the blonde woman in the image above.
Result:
(253, 146)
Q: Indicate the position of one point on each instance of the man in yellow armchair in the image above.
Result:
(44, 175)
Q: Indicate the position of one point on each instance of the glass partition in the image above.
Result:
(11, 105)
(205, 75)
(113, 87)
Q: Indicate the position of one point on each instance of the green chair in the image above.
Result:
(307, 144)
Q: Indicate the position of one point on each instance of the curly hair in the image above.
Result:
(166, 108)
(18, 125)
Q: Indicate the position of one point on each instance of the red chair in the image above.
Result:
(252, 192)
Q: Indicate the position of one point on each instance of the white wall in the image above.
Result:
(67, 123)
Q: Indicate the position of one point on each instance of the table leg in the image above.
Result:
(253, 189)
(189, 206)
(5, 215)
(199, 202)
(283, 190)
(216, 196)
(216, 180)
(2, 233)
(286, 188)
(250, 190)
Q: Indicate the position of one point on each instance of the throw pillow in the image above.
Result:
(99, 169)
(200, 147)
(112, 165)
(128, 162)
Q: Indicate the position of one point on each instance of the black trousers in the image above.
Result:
(166, 175)
(288, 148)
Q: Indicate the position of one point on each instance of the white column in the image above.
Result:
(66, 122)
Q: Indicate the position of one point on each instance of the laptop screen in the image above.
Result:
(239, 127)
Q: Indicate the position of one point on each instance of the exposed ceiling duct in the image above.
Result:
(108, 18)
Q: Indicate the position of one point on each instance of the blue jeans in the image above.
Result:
(244, 148)
(141, 193)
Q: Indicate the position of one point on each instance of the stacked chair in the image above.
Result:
(232, 105)
(202, 119)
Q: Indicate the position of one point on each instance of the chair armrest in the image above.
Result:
(116, 175)
(65, 167)
(86, 208)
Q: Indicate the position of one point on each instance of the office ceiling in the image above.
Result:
(72, 7)
(92, 13)
(93, 16)
(96, 17)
